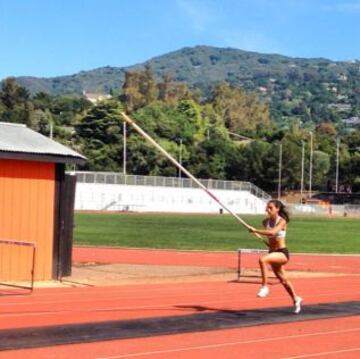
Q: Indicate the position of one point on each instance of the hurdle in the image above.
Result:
(241, 251)
(32, 258)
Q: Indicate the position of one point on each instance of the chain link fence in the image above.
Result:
(338, 210)
(135, 180)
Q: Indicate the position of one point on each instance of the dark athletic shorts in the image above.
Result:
(282, 250)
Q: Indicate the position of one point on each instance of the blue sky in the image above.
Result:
(61, 37)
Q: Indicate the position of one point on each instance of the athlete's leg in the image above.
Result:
(270, 259)
(281, 274)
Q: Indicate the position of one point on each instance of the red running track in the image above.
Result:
(330, 338)
(301, 262)
(79, 305)
(327, 338)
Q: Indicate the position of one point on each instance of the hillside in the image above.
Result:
(310, 90)
(98, 80)
(293, 98)
(200, 66)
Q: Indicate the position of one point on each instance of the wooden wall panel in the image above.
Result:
(26, 214)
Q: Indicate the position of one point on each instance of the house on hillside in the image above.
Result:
(36, 203)
(96, 97)
(340, 106)
(351, 123)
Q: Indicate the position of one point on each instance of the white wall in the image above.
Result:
(113, 197)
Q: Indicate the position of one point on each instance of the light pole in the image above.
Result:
(310, 166)
(337, 165)
(124, 148)
(180, 156)
(51, 130)
(302, 168)
(280, 168)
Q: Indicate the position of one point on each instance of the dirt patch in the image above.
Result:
(118, 274)
(93, 274)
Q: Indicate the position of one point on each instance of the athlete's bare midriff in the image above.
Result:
(276, 243)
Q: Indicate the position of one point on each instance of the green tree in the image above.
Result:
(139, 89)
(100, 135)
(16, 105)
(240, 111)
(210, 158)
(132, 96)
(164, 87)
(321, 167)
(191, 125)
(148, 85)
(249, 163)
(43, 121)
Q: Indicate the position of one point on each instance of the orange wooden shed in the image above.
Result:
(36, 203)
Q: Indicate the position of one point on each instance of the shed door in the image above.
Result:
(65, 224)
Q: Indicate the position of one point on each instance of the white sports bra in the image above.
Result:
(280, 234)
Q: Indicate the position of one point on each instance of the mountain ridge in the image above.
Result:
(200, 66)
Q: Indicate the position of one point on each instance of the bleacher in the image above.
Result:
(104, 191)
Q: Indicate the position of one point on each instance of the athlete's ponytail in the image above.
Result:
(282, 209)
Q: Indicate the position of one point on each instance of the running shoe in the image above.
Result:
(297, 305)
(263, 292)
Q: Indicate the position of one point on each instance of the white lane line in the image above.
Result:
(313, 355)
(127, 292)
(220, 345)
(106, 294)
(106, 297)
(128, 296)
(160, 306)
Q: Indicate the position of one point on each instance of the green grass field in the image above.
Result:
(211, 232)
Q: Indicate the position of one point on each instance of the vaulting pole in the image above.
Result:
(184, 170)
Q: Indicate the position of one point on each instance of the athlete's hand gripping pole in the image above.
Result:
(177, 164)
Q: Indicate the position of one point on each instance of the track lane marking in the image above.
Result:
(161, 306)
(133, 294)
(222, 345)
(177, 295)
(313, 355)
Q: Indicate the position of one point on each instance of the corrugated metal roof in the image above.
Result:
(17, 138)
